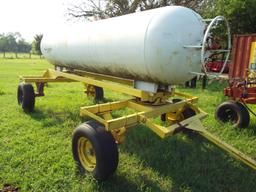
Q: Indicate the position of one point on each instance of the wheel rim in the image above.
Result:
(86, 154)
(230, 115)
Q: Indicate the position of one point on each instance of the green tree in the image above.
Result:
(36, 44)
(13, 42)
(23, 46)
(240, 13)
(3, 43)
(100, 9)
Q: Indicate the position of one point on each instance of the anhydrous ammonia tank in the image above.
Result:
(150, 46)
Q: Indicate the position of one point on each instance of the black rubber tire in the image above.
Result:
(105, 148)
(204, 82)
(193, 82)
(26, 97)
(234, 112)
(99, 93)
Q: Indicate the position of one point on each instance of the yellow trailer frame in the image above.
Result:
(145, 105)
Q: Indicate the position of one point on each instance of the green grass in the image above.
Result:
(35, 149)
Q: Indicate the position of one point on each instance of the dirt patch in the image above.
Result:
(9, 188)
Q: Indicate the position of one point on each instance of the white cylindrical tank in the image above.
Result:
(146, 46)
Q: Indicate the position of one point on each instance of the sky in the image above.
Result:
(31, 17)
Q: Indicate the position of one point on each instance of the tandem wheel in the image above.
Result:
(95, 150)
(234, 112)
(26, 97)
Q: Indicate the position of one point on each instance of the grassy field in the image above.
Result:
(10, 55)
(35, 149)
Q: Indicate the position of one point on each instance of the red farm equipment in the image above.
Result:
(242, 82)
(217, 61)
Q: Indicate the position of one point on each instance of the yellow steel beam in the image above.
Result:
(146, 111)
(104, 81)
(44, 80)
(159, 110)
(125, 121)
(164, 132)
(231, 150)
(139, 106)
(150, 112)
(93, 116)
(196, 125)
(110, 85)
(97, 80)
(193, 98)
(48, 76)
(161, 131)
(145, 107)
(158, 129)
(101, 108)
(107, 116)
(105, 77)
(192, 123)
(118, 134)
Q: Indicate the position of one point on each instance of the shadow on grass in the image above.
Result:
(114, 183)
(252, 129)
(50, 117)
(121, 183)
(189, 163)
(193, 164)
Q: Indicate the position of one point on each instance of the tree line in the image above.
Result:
(240, 13)
(14, 42)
